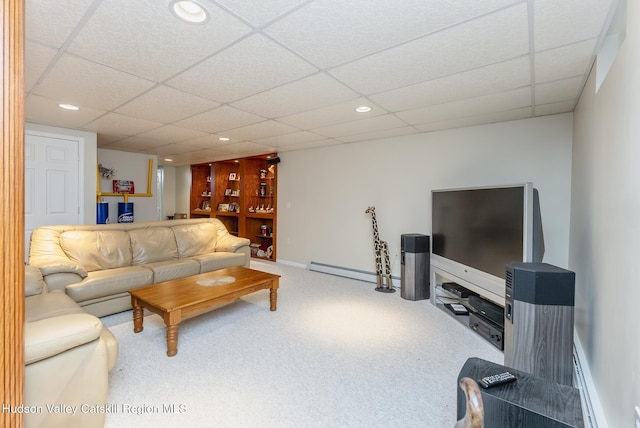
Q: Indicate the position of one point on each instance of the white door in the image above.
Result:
(51, 177)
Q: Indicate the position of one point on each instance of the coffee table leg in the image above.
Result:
(273, 294)
(137, 318)
(172, 340)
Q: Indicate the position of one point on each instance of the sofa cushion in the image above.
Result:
(97, 250)
(219, 260)
(109, 282)
(173, 269)
(155, 244)
(33, 282)
(195, 239)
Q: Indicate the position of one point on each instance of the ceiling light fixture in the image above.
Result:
(168, 160)
(224, 139)
(189, 11)
(363, 109)
(69, 107)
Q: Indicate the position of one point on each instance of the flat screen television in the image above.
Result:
(477, 231)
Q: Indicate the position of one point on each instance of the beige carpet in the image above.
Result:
(336, 353)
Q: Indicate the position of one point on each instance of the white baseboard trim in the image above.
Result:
(294, 264)
(591, 407)
(349, 273)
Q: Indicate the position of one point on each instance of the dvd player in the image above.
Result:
(487, 309)
(458, 290)
(493, 333)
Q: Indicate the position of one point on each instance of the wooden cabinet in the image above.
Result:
(244, 197)
(200, 200)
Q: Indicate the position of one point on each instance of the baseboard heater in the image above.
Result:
(348, 272)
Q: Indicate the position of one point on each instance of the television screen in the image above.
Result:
(482, 228)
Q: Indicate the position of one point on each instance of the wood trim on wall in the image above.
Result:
(12, 214)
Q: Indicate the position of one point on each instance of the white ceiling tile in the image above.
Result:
(567, 61)
(259, 13)
(52, 21)
(502, 116)
(311, 93)
(555, 108)
(312, 144)
(362, 126)
(38, 107)
(37, 59)
(85, 84)
(332, 115)
(120, 124)
(557, 23)
(268, 128)
(484, 105)
(245, 148)
(559, 90)
(332, 32)
(486, 80)
(105, 138)
(171, 134)
(494, 38)
(220, 120)
(145, 39)
(167, 105)
(289, 139)
(387, 133)
(253, 65)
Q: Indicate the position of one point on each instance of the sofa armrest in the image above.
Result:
(33, 282)
(231, 243)
(51, 336)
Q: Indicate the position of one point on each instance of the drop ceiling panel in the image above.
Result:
(139, 40)
(485, 80)
(38, 107)
(361, 126)
(289, 139)
(479, 106)
(310, 93)
(332, 32)
(171, 134)
(560, 90)
(558, 23)
(268, 128)
(494, 38)
(86, 84)
(567, 61)
(37, 58)
(167, 105)
(220, 120)
(124, 125)
(332, 115)
(387, 133)
(51, 22)
(259, 13)
(555, 108)
(501, 116)
(252, 65)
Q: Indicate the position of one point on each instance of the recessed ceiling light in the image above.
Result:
(168, 160)
(363, 109)
(224, 139)
(68, 107)
(189, 11)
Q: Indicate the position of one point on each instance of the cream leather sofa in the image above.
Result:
(68, 356)
(97, 264)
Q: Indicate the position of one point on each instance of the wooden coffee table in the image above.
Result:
(179, 299)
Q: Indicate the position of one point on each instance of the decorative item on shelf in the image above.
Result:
(123, 186)
(251, 209)
(206, 194)
(227, 192)
(206, 206)
(106, 172)
(234, 207)
(264, 230)
(263, 189)
(235, 192)
(263, 174)
(232, 176)
(209, 179)
(223, 207)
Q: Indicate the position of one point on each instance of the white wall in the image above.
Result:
(183, 189)
(605, 228)
(169, 188)
(323, 193)
(130, 166)
(88, 149)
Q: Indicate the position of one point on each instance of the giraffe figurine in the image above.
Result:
(379, 248)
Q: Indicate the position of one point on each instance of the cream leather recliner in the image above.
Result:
(68, 356)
